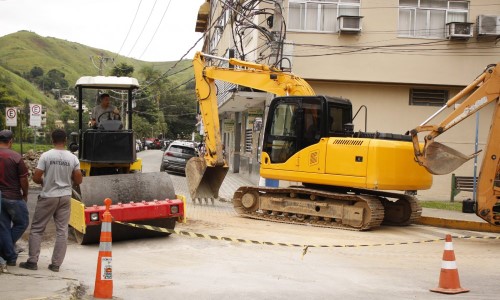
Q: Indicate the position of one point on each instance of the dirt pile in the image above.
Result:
(31, 160)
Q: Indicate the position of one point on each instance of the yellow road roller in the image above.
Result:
(107, 153)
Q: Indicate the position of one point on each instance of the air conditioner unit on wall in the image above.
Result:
(349, 23)
(488, 25)
(459, 30)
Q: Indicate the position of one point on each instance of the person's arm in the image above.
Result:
(38, 176)
(77, 176)
(93, 117)
(24, 187)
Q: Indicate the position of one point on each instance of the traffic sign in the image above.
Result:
(10, 116)
(35, 115)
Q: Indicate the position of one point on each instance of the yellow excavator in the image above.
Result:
(440, 159)
(348, 178)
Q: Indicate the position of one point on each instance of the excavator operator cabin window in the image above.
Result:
(336, 119)
(281, 142)
(312, 122)
(284, 120)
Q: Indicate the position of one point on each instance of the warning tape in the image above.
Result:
(305, 246)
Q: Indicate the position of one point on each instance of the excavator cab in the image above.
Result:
(295, 123)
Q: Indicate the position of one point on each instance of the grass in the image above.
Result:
(23, 50)
(455, 206)
(29, 146)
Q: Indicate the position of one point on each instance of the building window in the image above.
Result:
(428, 18)
(318, 15)
(426, 97)
(248, 140)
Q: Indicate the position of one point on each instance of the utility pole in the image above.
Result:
(102, 59)
(274, 60)
(277, 43)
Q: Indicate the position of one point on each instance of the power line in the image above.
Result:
(129, 29)
(144, 27)
(157, 27)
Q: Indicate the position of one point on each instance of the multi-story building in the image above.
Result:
(398, 61)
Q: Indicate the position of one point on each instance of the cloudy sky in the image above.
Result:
(104, 24)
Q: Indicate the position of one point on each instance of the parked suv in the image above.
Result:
(177, 155)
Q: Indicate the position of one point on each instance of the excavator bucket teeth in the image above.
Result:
(204, 181)
(441, 159)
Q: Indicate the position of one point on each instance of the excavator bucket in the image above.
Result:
(441, 159)
(204, 181)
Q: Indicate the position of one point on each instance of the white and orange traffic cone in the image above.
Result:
(449, 282)
(103, 277)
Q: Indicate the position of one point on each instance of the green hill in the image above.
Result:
(21, 51)
(22, 89)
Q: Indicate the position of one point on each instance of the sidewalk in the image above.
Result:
(455, 220)
(432, 217)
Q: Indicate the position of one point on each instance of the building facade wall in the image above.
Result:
(377, 68)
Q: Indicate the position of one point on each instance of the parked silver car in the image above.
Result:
(176, 156)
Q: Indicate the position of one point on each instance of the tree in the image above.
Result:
(141, 126)
(122, 69)
(179, 109)
(68, 113)
(36, 72)
(57, 79)
(6, 99)
(27, 111)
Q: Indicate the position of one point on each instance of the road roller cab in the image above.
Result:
(107, 154)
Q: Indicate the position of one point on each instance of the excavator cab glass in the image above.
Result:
(295, 123)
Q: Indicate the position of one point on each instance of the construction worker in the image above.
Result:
(57, 171)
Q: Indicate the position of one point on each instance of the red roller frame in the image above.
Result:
(135, 211)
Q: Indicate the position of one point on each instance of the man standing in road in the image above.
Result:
(57, 169)
(14, 216)
(102, 110)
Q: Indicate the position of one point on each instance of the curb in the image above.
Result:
(458, 224)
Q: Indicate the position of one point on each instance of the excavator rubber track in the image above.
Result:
(353, 210)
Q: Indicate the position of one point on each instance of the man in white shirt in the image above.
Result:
(57, 171)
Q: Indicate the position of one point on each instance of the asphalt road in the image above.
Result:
(194, 268)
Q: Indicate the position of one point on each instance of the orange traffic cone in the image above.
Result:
(103, 277)
(449, 282)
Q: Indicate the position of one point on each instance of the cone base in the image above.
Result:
(449, 291)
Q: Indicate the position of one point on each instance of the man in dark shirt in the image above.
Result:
(14, 192)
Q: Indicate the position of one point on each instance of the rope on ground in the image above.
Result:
(305, 247)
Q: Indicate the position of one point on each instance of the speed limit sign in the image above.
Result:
(10, 116)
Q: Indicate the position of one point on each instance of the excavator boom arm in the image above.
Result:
(257, 76)
(206, 174)
(440, 159)
(437, 158)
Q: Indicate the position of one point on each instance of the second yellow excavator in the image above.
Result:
(346, 179)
